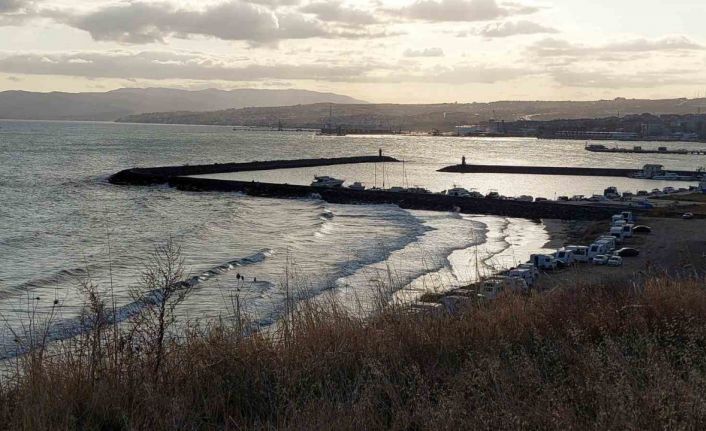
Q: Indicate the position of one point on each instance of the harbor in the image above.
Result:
(649, 171)
(599, 148)
(453, 200)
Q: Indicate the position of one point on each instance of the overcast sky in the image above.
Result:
(401, 51)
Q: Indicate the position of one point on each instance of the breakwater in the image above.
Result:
(182, 178)
(552, 170)
(418, 201)
(164, 174)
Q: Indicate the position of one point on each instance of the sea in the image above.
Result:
(63, 224)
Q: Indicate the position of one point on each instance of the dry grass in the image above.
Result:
(581, 357)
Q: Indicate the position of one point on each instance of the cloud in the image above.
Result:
(427, 52)
(143, 22)
(167, 65)
(461, 10)
(612, 80)
(513, 28)
(335, 11)
(12, 5)
(562, 48)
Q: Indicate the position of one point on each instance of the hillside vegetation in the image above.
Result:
(621, 356)
(420, 117)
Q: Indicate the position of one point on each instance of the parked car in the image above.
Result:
(642, 229)
(600, 259)
(615, 261)
(687, 216)
(563, 198)
(627, 252)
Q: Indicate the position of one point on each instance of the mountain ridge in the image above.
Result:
(420, 117)
(114, 104)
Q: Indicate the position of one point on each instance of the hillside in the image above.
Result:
(421, 117)
(111, 105)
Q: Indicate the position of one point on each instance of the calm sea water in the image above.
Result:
(60, 221)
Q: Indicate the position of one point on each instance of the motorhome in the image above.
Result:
(493, 287)
(610, 241)
(532, 268)
(627, 230)
(580, 252)
(596, 249)
(619, 223)
(617, 218)
(565, 257)
(523, 274)
(617, 231)
(628, 216)
(543, 261)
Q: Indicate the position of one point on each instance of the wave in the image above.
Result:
(66, 328)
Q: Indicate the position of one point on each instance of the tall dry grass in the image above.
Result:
(580, 357)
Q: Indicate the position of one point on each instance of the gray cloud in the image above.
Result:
(562, 48)
(159, 65)
(427, 52)
(166, 65)
(12, 5)
(612, 80)
(335, 11)
(461, 10)
(141, 22)
(513, 28)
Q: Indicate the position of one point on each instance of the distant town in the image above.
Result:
(644, 127)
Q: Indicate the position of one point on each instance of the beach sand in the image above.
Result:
(675, 246)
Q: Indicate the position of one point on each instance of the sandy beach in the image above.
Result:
(675, 246)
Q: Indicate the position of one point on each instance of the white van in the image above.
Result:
(619, 223)
(523, 274)
(493, 287)
(627, 230)
(617, 217)
(565, 257)
(628, 216)
(580, 253)
(617, 231)
(597, 248)
(533, 269)
(610, 240)
(543, 261)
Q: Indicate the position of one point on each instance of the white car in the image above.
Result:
(601, 259)
(615, 261)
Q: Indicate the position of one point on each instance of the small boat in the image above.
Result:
(458, 192)
(357, 186)
(326, 182)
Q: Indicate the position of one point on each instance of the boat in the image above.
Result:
(326, 182)
(421, 190)
(458, 192)
(357, 186)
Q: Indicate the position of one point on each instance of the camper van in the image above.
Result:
(617, 231)
(523, 274)
(580, 253)
(533, 269)
(597, 248)
(627, 230)
(543, 261)
(611, 242)
(565, 257)
(493, 287)
(628, 216)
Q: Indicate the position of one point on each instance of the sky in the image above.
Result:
(396, 51)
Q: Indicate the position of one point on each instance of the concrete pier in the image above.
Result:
(182, 177)
(553, 170)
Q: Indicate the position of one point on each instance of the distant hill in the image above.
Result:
(422, 117)
(119, 103)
